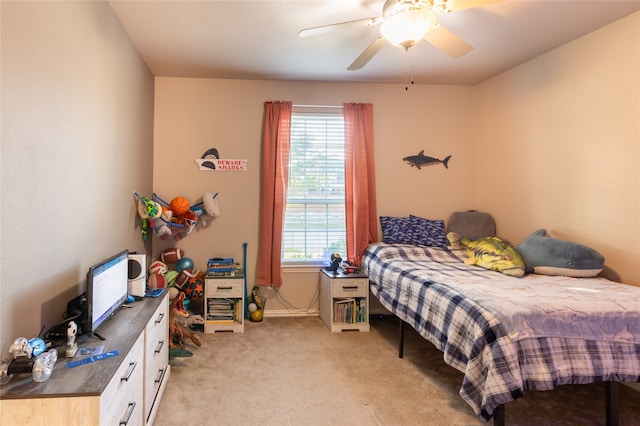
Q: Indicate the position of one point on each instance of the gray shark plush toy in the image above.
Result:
(550, 256)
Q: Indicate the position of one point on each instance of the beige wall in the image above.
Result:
(77, 140)
(557, 146)
(553, 143)
(193, 115)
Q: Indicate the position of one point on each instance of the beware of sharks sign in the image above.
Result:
(222, 165)
(422, 160)
(211, 161)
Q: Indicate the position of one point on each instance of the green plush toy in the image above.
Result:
(148, 210)
(491, 253)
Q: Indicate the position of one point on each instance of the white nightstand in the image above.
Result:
(224, 304)
(344, 301)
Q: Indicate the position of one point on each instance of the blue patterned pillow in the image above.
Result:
(428, 232)
(396, 230)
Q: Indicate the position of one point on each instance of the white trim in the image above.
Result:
(302, 268)
(296, 313)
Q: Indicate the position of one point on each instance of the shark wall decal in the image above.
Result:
(423, 160)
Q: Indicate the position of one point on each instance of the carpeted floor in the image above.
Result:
(293, 371)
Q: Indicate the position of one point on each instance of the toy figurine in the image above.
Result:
(72, 346)
(22, 361)
(336, 260)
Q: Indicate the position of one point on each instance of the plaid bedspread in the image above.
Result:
(433, 291)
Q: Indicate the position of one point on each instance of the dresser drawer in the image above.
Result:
(158, 324)
(350, 287)
(156, 355)
(224, 287)
(155, 376)
(156, 364)
(122, 400)
(157, 330)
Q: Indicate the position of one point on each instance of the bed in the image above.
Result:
(508, 335)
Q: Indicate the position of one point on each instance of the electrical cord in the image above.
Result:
(293, 309)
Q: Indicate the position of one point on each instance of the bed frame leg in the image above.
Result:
(401, 341)
(612, 403)
(498, 416)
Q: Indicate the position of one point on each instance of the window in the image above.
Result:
(315, 212)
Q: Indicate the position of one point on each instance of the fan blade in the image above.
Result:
(448, 42)
(468, 4)
(340, 26)
(368, 53)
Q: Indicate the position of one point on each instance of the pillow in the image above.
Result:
(428, 232)
(491, 253)
(550, 256)
(472, 224)
(396, 230)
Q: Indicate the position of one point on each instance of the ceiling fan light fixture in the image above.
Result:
(406, 22)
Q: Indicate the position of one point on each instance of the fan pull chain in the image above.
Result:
(408, 75)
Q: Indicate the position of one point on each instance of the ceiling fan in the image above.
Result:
(404, 23)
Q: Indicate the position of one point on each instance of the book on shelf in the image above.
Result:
(350, 310)
(220, 321)
(223, 309)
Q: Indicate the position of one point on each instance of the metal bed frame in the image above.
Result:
(611, 395)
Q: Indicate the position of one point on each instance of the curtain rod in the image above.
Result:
(317, 106)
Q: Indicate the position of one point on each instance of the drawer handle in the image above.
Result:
(228, 287)
(132, 406)
(349, 287)
(160, 316)
(160, 375)
(132, 366)
(160, 345)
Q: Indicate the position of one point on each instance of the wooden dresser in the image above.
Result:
(122, 390)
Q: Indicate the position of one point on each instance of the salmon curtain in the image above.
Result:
(273, 191)
(360, 185)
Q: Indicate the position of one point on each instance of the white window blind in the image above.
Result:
(315, 212)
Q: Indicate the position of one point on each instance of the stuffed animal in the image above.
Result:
(550, 256)
(190, 320)
(210, 206)
(161, 229)
(148, 210)
(490, 253)
(177, 332)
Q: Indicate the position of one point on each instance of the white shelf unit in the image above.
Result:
(344, 301)
(224, 304)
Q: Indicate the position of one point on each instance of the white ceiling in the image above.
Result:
(258, 39)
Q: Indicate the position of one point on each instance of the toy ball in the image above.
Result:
(194, 288)
(170, 277)
(252, 307)
(256, 315)
(179, 206)
(171, 255)
(183, 278)
(157, 281)
(158, 267)
(173, 293)
(184, 263)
